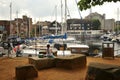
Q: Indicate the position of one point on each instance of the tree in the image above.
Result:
(117, 29)
(96, 24)
(32, 32)
(85, 4)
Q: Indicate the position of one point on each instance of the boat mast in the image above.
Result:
(91, 23)
(118, 14)
(17, 24)
(10, 16)
(118, 20)
(56, 18)
(61, 17)
(35, 29)
(78, 10)
(65, 16)
(39, 27)
(29, 27)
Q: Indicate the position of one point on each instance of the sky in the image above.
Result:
(47, 10)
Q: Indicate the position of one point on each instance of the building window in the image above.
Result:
(71, 28)
(88, 24)
(82, 24)
(75, 28)
(88, 32)
(83, 28)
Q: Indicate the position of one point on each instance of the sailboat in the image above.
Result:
(71, 43)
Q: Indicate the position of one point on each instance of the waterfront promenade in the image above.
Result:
(7, 69)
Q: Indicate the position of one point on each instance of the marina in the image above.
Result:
(88, 47)
(69, 46)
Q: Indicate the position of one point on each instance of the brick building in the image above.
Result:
(21, 27)
(4, 28)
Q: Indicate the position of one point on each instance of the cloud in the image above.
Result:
(45, 9)
(37, 8)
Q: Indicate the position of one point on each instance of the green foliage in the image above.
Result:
(32, 32)
(85, 4)
(117, 29)
(96, 24)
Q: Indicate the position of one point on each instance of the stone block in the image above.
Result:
(71, 61)
(42, 63)
(100, 71)
(26, 72)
